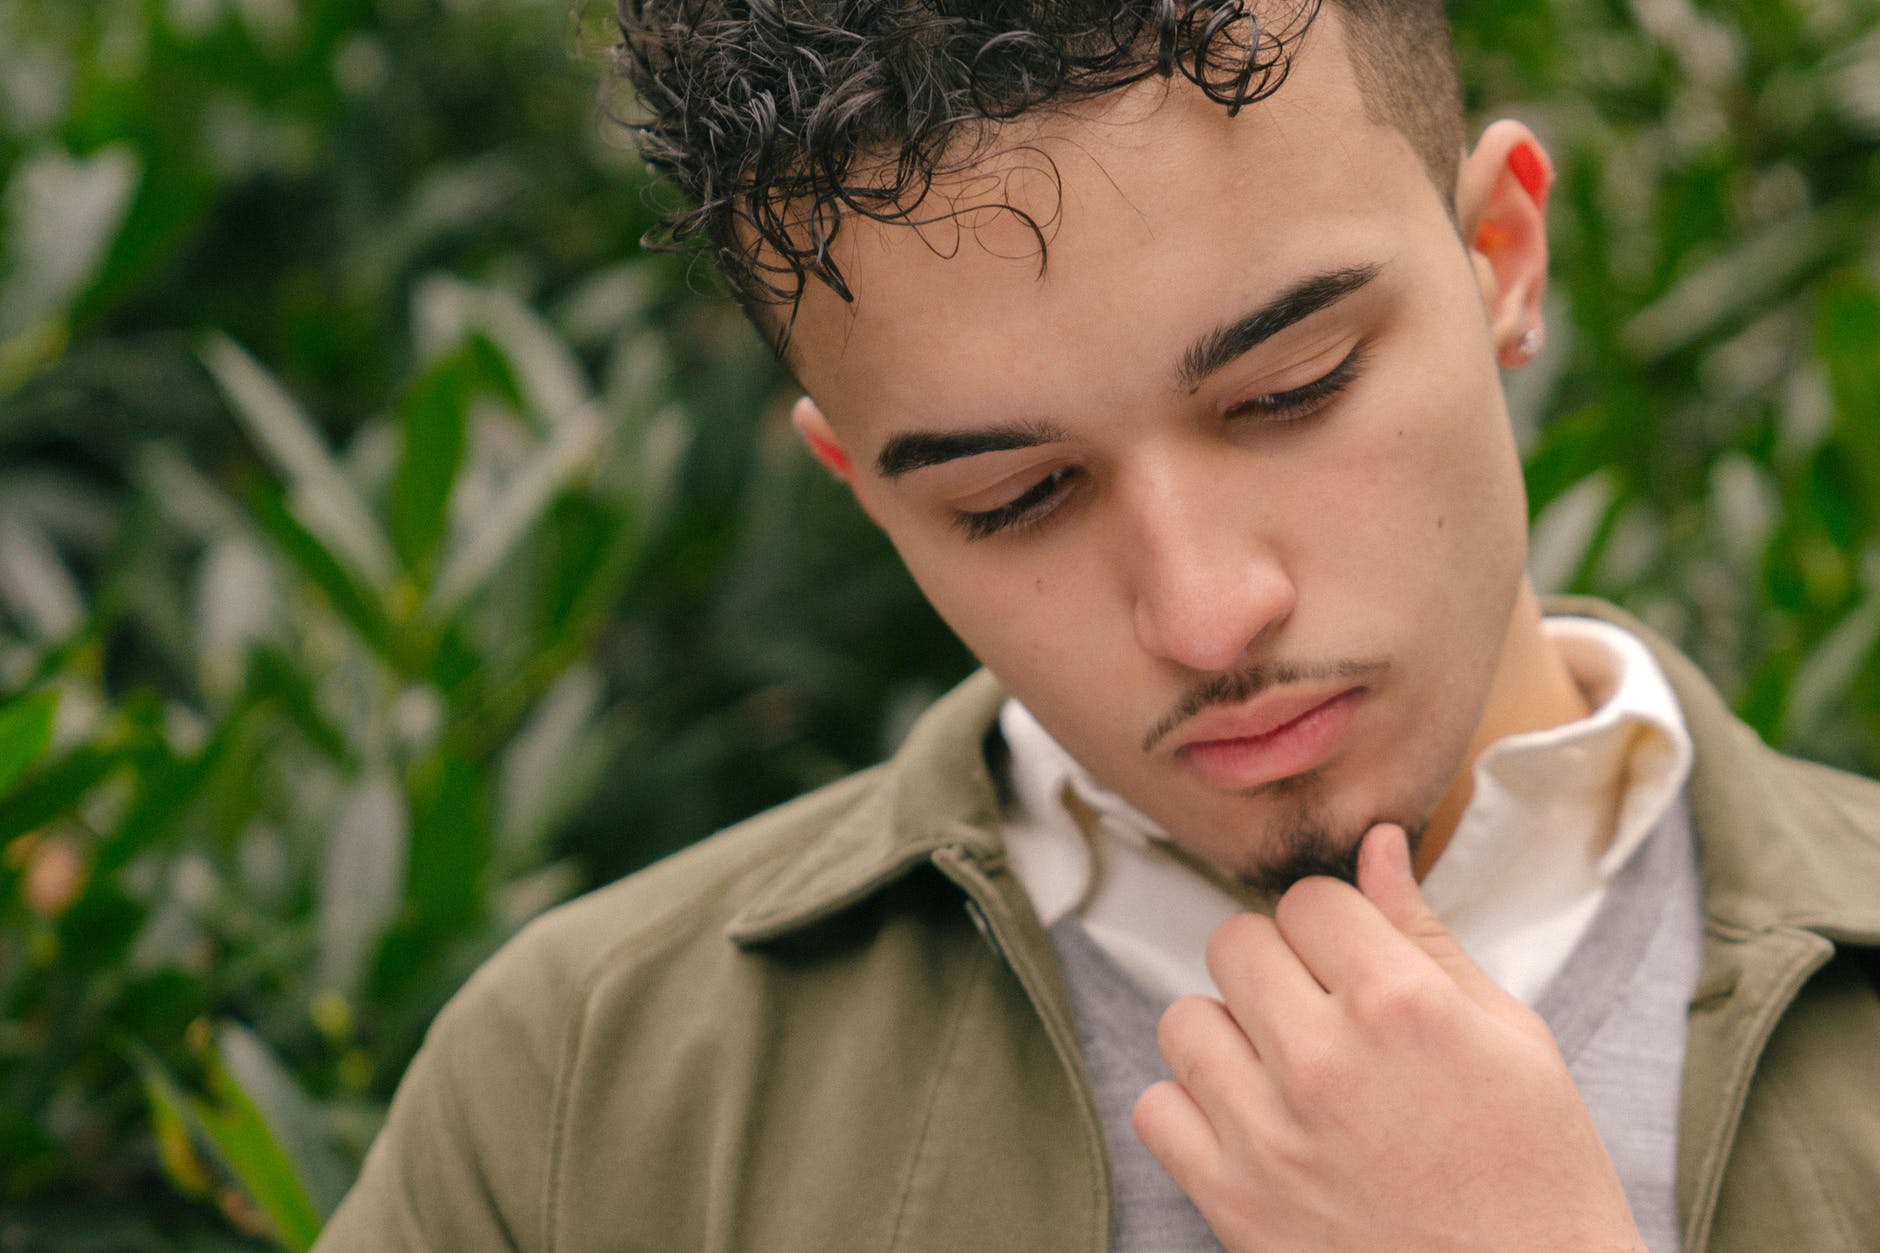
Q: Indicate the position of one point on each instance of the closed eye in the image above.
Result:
(1298, 403)
(1037, 502)
(1026, 509)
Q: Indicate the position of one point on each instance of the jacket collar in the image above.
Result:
(1784, 843)
(936, 792)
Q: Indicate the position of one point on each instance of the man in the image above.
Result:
(1163, 341)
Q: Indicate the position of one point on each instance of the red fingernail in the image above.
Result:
(1525, 163)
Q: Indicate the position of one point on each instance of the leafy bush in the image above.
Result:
(502, 576)
(1703, 437)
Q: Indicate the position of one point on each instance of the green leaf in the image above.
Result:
(1565, 536)
(280, 677)
(548, 382)
(55, 788)
(588, 548)
(170, 1119)
(1827, 674)
(550, 762)
(261, 1128)
(291, 1118)
(248, 1149)
(361, 608)
(431, 422)
(1847, 334)
(1741, 283)
(520, 505)
(167, 787)
(362, 879)
(450, 843)
(63, 212)
(25, 734)
(320, 491)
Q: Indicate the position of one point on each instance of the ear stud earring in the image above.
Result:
(1529, 345)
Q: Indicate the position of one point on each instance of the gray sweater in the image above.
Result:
(1617, 1009)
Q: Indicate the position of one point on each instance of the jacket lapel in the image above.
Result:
(1790, 856)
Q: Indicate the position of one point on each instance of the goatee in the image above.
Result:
(1311, 847)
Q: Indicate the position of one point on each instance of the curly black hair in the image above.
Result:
(778, 119)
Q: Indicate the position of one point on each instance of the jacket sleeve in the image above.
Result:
(463, 1161)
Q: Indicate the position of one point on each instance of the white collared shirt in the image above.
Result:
(1554, 814)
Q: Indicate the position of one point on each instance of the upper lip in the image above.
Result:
(1261, 716)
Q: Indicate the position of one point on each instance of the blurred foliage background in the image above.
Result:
(389, 548)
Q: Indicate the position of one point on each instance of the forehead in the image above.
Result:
(1157, 213)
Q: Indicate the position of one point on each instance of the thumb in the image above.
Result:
(1385, 878)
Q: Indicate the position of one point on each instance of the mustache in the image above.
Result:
(1236, 686)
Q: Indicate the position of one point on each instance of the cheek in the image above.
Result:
(1043, 627)
(1004, 618)
(1452, 461)
(1429, 542)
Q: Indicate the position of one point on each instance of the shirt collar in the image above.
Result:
(1553, 815)
(1785, 843)
(1623, 765)
(1635, 735)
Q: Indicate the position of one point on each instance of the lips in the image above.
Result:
(1283, 735)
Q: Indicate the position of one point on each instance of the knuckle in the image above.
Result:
(1234, 940)
(1295, 904)
(1308, 897)
(1532, 1028)
(1290, 1154)
(1240, 1203)
(1398, 1002)
(1315, 1072)
(1153, 1110)
(1531, 1024)
(1182, 1025)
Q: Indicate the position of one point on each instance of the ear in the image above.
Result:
(821, 438)
(813, 426)
(1501, 208)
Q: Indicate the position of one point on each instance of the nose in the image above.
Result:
(1207, 585)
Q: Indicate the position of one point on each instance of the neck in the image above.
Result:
(1533, 690)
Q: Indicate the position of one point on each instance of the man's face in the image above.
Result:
(1226, 495)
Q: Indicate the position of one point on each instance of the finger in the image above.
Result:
(1340, 938)
(1387, 881)
(1262, 981)
(1212, 1059)
(1177, 1134)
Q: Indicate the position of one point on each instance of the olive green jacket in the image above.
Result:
(839, 1026)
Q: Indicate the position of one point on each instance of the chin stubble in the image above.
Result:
(1311, 846)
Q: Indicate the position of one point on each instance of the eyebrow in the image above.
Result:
(917, 450)
(1226, 343)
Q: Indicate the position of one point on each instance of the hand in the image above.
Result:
(1365, 1086)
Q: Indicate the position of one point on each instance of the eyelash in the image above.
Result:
(1017, 514)
(1299, 403)
(1296, 404)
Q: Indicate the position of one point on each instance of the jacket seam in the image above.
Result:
(558, 1122)
(931, 1100)
(1050, 1015)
